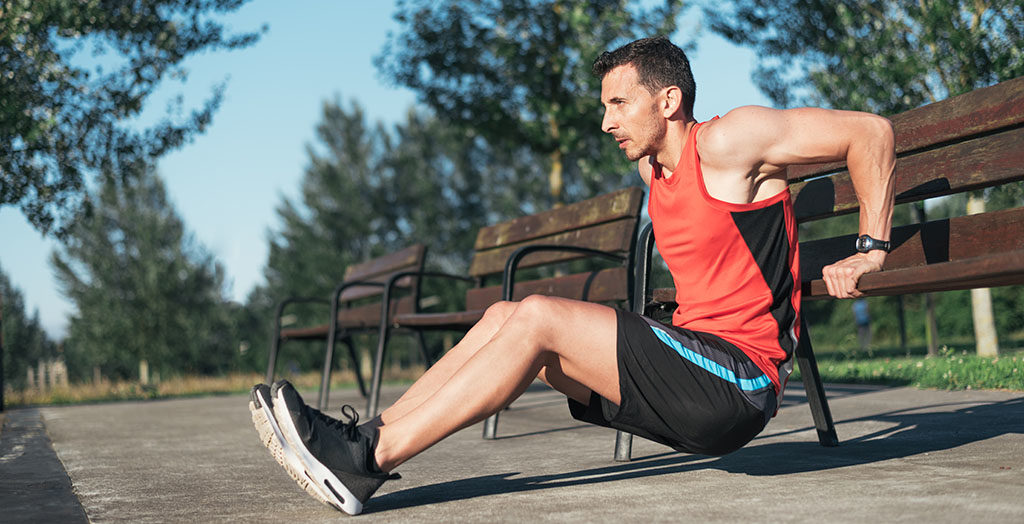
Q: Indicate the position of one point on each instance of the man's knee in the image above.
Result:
(535, 306)
(499, 311)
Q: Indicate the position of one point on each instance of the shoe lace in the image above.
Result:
(347, 426)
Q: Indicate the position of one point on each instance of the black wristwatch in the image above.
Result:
(866, 243)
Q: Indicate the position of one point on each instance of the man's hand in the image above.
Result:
(841, 278)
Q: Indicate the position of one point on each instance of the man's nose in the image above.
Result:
(607, 123)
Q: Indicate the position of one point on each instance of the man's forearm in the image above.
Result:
(871, 162)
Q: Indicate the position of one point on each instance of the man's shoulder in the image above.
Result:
(740, 130)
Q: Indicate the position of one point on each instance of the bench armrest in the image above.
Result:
(508, 278)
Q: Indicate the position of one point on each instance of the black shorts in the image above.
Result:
(689, 390)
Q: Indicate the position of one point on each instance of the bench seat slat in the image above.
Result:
(460, 320)
(923, 244)
(1000, 269)
(360, 317)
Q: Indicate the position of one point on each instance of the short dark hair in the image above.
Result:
(659, 63)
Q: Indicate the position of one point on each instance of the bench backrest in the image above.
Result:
(606, 223)
(381, 269)
(965, 143)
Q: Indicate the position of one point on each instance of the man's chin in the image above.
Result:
(634, 155)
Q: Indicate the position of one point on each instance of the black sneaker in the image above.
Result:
(261, 407)
(338, 456)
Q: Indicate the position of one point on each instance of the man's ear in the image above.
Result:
(672, 101)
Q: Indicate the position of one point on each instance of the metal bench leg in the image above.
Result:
(491, 427)
(275, 346)
(372, 403)
(355, 364)
(623, 446)
(815, 392)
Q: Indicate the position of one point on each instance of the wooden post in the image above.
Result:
(41, 374)
(986, 340)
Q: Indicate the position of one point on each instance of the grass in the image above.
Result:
(179, 387)
(953, 370)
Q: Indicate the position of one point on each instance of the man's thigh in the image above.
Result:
(579, 342)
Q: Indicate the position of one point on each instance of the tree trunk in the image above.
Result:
(931, 329)
(555, 182)
(985, 337)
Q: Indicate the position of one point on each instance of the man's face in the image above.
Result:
(631, 113)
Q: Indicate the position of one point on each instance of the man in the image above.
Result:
(724, 225)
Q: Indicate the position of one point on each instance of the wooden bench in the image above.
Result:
(604, 227)
(356, 305)
(969, 142)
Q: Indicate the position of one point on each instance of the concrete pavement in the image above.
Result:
(906, 455)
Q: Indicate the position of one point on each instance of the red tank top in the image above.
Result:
(735, 266)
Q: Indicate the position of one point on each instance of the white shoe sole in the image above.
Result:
(337, 493)
(270, 436)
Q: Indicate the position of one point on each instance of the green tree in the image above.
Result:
(882, 56)
(142, 287)
(24, 340)
(369, 190)
(517, 73)
(66, 114)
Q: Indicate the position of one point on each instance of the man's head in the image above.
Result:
(659, 64)
(644, 85)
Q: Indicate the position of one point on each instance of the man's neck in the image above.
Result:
(677, 135)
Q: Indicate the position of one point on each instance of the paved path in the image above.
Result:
(906, 455)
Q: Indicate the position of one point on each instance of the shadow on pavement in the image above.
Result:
(907, 432)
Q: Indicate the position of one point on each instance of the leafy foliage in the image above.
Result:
(24, 340)
(65, 114)
(517, 73)
(882, 56)
(142, 288)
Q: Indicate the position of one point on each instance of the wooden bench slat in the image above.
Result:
(925, 257)
(930, 243)
(615, 237)
(361, 317)
(1000, 269)
(624, 203)
(606, 285)
(361, 292)
(460, 320)
(379, 268)
(974, 164)
(970, 114)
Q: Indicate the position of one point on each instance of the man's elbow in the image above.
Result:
(881, 129)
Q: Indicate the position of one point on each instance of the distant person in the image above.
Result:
(724, 224)
(863, 320)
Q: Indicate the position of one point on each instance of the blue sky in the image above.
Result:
(228, 182)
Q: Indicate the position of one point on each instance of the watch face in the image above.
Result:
(863, 242)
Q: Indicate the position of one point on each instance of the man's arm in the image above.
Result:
(764, 141)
